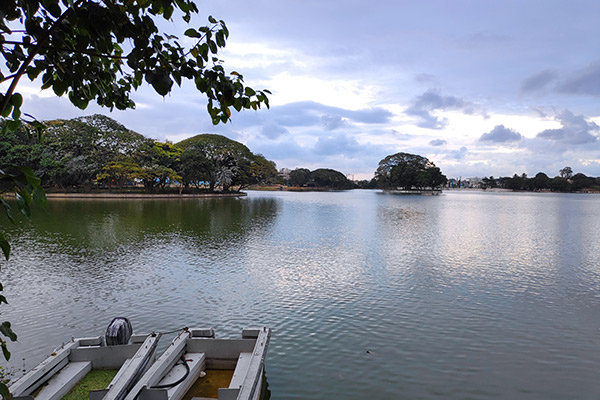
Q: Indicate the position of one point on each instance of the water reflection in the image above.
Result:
(455, 296)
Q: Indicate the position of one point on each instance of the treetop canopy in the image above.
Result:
(408, 171)
(104, 50)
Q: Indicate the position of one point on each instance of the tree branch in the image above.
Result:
(8, 77)
(33, 53)
(89, 53)
(13, 42)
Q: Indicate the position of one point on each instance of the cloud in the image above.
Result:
(331, 122)
(458, 154)
(310, 113)
(438, 142)
(576, 130)
(539, 81)
(585, 81)
(426, 104)
(272, 130)
(340, 144)
(424, 78)
(501, 134)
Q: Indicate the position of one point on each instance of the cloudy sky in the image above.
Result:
(479, 87)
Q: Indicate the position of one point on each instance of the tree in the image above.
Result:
(194, 168)
(263, 171)
(120, 172)
(488, 182)
(299, 177)
(566, 173)
(329, 178)
(159, 162)
(365, 184)
(102, 51)
(581, 181)
(559, 184)
(541, 181)
(408, 171)
(226, 159)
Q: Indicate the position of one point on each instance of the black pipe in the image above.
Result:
(170, 385)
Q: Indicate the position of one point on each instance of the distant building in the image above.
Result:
(466, 183)
(284, 173)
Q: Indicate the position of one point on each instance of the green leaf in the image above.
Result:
(162, 83)
(30, 176)
(8, 210)
(4, 390)
(53, 9)
(7, 110)
(220, 39)
(249, 91)
(23, 200)
(7, 331)
(5, 350)
(5, 246)
(192, 33)
(211, 19)
(16, 100)
(168, 12)
(39, 196)
(213, 47)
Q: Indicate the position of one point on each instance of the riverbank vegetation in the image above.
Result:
(323, 178)
(96, 153)
(566, 181)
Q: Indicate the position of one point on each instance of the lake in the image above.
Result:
(467, 295)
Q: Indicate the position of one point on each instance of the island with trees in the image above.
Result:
(98, 154)
(406, 173)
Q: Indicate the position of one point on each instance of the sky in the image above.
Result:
(479, 87)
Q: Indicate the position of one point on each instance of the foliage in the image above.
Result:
(73, 152)
(321, 178)
(120, 172)
(408, 171)
(566, 173)
(223, 161)
(27, 189)
(324, 177)
(365, 184)
(159, 162)
(96, 151)
(103, 50)
(542, 182)
(263, 171)
(299, 177)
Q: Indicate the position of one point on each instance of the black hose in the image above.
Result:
(170, 385)
(140, 371)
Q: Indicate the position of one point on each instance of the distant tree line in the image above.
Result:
(98, 152)
(566, 181)
(319, 178)
(397, 171)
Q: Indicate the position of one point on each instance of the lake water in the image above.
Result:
(467, 295)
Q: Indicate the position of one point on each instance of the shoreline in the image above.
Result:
(138, 195)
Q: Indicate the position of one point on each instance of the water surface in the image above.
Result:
(464, 295)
